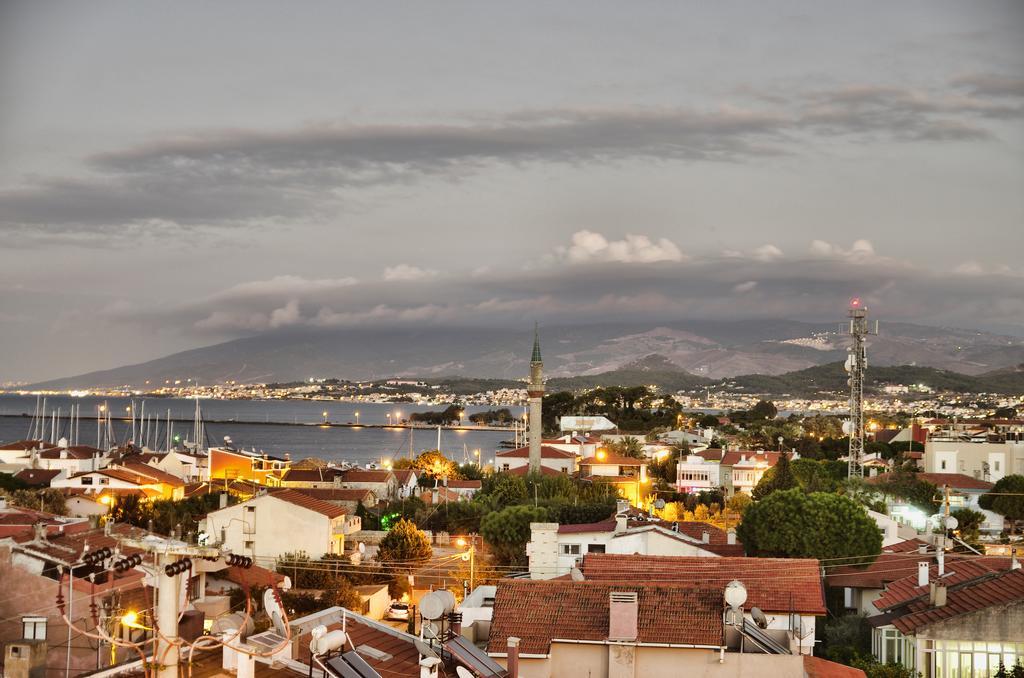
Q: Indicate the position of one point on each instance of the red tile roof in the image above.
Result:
(156, 474)
(958, 481)
(320, 474)
(69, 547)
(958, 571)
(974, 585)
(39, 477)
(335, 494)
(773, 584)
(546, 452)
(538, 612)
(404, 475)
(602, 526)
(404, 657)
(27, 445)
(73, 452)
(304, 500)
(895, 562)
(361, 476)
(816, 667)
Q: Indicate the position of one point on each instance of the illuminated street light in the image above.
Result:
(601, 454)
(357, 418)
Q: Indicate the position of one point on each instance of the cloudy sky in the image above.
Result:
(177, 174)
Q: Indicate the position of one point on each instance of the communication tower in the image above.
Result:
(856, 364)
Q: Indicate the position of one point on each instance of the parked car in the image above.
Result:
(398, 611)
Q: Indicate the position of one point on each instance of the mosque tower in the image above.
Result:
(535, 390)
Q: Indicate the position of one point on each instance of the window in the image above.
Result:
(87, 480)
(996, 463)
(250, 509)
(250, 545)
(33, 628)
(943, 466)
(104, 481)
(570, 549)
(595, 548)
(504, 467)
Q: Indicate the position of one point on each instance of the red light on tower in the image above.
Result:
(855, 302)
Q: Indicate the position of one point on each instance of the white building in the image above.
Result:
(697, 474)
(982, 460)
(552, 460)
(282, 521)
(555, 549)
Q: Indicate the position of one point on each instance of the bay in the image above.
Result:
(249, 424)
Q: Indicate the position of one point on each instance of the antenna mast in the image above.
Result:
(856, 364)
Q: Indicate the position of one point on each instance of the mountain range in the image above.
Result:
(694, 352)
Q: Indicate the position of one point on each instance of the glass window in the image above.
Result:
(87, 480)
(34, 628)
(570, 549)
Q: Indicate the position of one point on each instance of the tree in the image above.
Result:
(792, 524)
(910, 488)
(739, 502)
(404, 546)
(665, 466)
(875, 669)
(341, 593)
(49, 500)
(968, 523)
(507, 531)
(433, 464)
(1006, 499)
(781, 478)
(628, 447)
(505, 488)
(708, 421)
(763, 409)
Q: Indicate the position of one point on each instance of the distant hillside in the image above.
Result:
(653, 370)
(688, 350)
(833, 378)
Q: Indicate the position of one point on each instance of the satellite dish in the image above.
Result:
(424, 649)
(659, 504)
(575, 574)
(431, 629)
(951, 523)
(437, 604)
(735, 594)
(361, 547)
(759, 617)
(463, 672)
(847, 427)
(232, 623)
(274, 611)
(334, 640)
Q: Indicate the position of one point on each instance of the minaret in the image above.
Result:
(535, 390)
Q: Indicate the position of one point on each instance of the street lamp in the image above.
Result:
(476, 453)
(357, 417)
(463, 542)
(324, 413)
(389, 419)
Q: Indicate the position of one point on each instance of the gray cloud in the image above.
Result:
(807, 286)
(232, 177)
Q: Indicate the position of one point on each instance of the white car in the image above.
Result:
(398, 611)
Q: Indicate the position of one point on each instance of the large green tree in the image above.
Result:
(1006, 498)
(793, 524)
(781, 478)
(507, 531)
(404, 546)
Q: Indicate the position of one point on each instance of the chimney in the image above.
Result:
(922, 549)
(730, 536)
(428, 667)
(705, 537)
(942, 563)
(937, 595)
(623, 611)
(621, 524)
(1014, 563)
(513, 657)
(223, 502)
(621, 506)
(922, 573)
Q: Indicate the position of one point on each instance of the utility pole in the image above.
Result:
(856, 364)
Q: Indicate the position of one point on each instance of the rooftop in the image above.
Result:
(539, 612)
(957, 481)
(546, 452)
(773, 584)
(306, 501)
